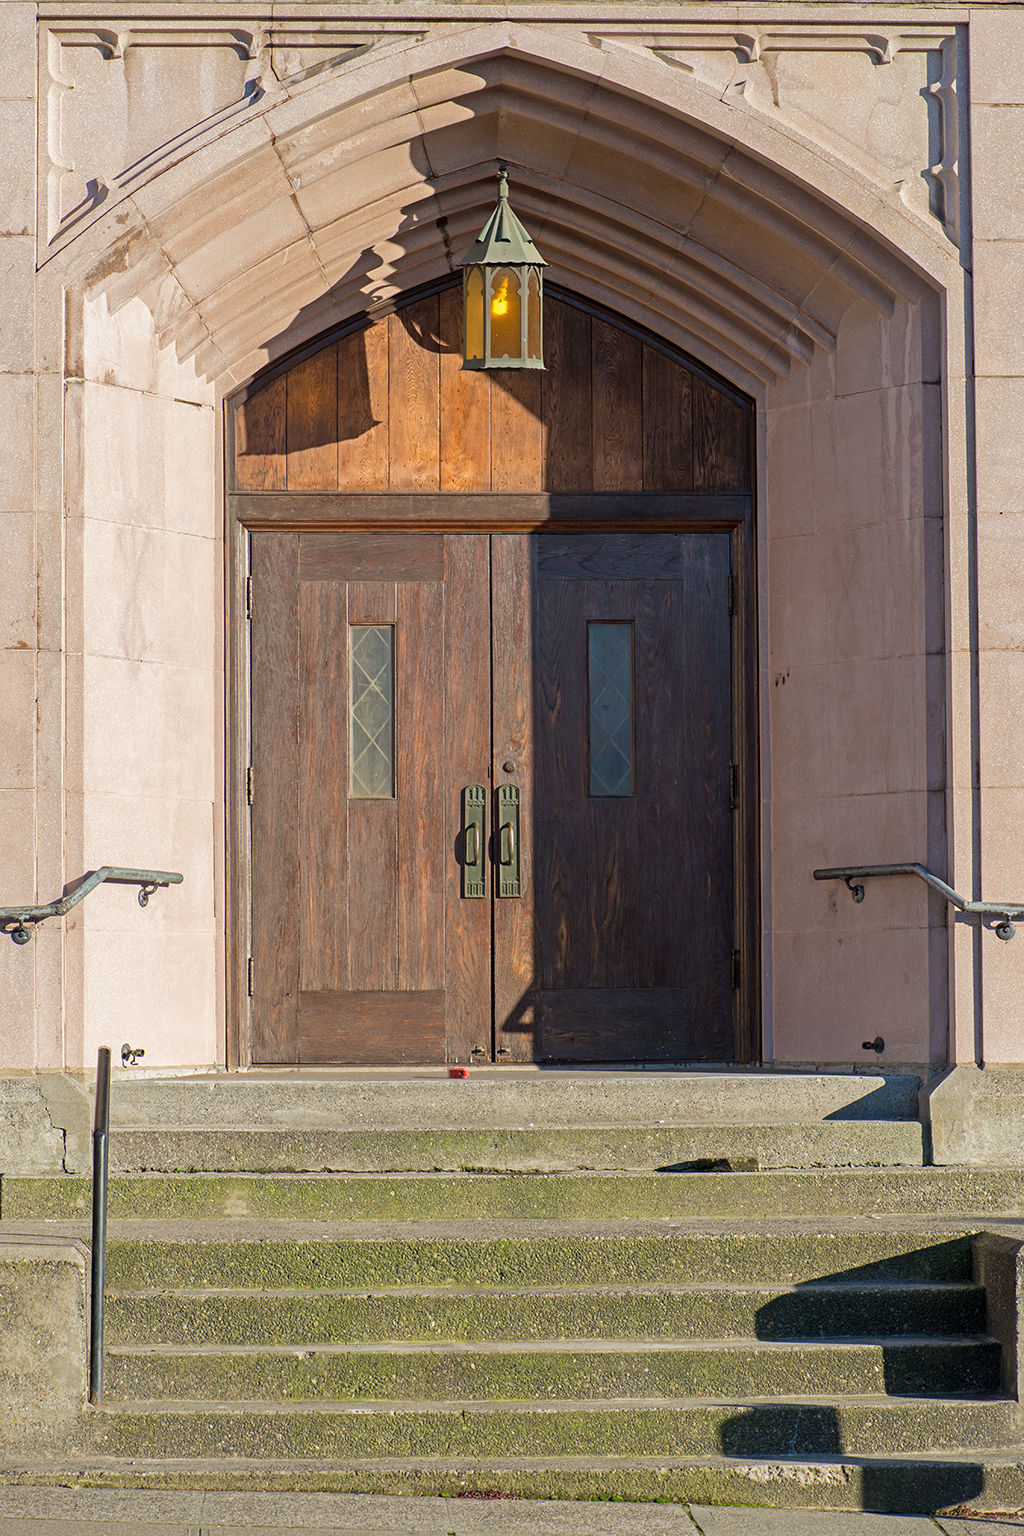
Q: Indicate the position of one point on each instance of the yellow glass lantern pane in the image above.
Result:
(506, 315)
(533, 332)
(474, 298)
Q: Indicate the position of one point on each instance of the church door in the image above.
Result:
(498, 767)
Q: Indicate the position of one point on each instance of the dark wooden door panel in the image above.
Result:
(621, 1024)
(634, 892)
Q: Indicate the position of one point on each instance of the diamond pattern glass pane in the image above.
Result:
(371, 774)
(610, 648)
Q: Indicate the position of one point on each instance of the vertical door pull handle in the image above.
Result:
(474, 872)
(509, 881)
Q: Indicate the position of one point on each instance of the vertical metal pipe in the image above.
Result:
(99, 1223)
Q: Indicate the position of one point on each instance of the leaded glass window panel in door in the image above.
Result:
(372, 769)
(610, 665)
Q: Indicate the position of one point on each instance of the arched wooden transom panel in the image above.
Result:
(388, 408)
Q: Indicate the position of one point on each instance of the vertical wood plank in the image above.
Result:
(721, 440)
(465, 407)
(260, 439)
(618, 424)
(566, 399)
(705, 746)
(275, 873)
(419, 746)
(612, 877)
(668, 433)
(313, 423)
(468, 730)
(517, 437)
(323, 781)
(363, 409)
(372, 842)
(513, 609)
(413, 382)
(664, 787)
(561, 829)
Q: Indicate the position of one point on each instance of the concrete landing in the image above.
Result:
(404, 1099)
(29, 1511)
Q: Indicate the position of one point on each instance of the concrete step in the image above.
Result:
(306, 1319)
(251, 1256)
(407, 1197)
(560, 1149)
(415, 1099)
(974, 1480)
(809, 1428)
(555, 1370)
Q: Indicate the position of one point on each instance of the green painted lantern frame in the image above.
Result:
(503, 293)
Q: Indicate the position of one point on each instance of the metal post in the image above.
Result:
(99, 1223)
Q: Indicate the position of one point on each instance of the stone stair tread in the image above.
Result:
(564, 1346)
(451, 1407)
(454, 1292)
(478, 1199)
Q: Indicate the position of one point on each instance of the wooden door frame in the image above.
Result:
(488, 512)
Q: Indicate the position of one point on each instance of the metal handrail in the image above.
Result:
(852, 874)
(99, 1224)
(13, 919)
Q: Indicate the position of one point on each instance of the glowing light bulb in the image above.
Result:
(499, 303)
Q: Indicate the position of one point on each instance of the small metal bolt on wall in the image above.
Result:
(503, 292)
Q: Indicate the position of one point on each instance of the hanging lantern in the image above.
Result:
(503, 292)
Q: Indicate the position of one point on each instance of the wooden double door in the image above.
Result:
(493, 796)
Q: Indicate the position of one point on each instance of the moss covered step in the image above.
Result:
(549, 1371)
(407, 1197)
(862, 1426)
(231, 1149)
(942, 1482)
(644, 1312)
(624, 1254)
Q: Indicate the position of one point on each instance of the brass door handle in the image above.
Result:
(474, 875)
(509, 881)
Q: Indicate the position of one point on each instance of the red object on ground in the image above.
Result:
(458, 1071)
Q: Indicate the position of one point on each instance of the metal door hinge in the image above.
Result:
(249, 974)
(249, 777)
(732, 593)
(734, 970)
(248, 597)
(734, 785)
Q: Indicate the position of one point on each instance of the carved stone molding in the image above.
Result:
(274, 60)
(754, 44)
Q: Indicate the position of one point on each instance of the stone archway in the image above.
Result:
(726, 235)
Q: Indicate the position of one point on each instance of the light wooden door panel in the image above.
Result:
(359, 954)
